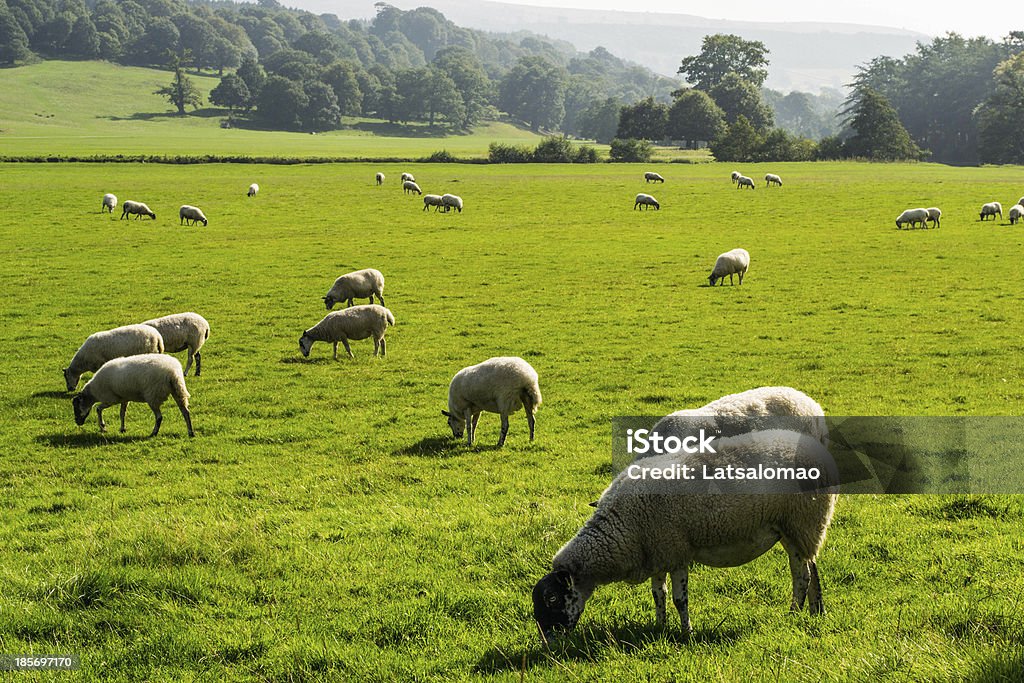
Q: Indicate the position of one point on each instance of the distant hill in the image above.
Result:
(804, 56)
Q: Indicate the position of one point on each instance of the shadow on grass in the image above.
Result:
(432, 445)
(1004, 668)
(52, 394)
(320, 360)
(399, 130)
(206, 113)
(85, 439)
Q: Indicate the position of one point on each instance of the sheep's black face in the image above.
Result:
(70, 381)
(711, 280)
(557, 604)
(305, 344)
(81, 407)
(329, 302)
(458, 426)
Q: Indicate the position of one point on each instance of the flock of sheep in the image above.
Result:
(921, 217)
(187, 213)
(440, 202)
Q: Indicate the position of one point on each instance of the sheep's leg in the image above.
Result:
(815, 605)
(188, 363)
(99, 417)
(742, 273)
(159, 419)
(504, 430)
(681, 597)
(531, 419)
(371, 299)
(383, 347)
(470, 426)
(335, 350)
(348, 348)
(730, 280)
(800, 570)
(659, 589)
(350, 301)
(381, 297)
(199, 361)
(183, 407)
(124, 409)
(376, 347)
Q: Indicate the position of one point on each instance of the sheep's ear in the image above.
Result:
(446, 413)
(593, 504)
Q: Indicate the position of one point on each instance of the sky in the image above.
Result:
(989, 18)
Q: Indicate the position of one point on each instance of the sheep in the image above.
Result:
(408, 176)
(356, 285)
(451, 201)
(433, 200)
(410, 186)
(934, 215)
(735, 175)
(147, 378)
(357, 322)
(253, 189)
(137, 208)
(991, 209)
(912, 216)
(652, 177)
(732, 262)
(648, 528)
(498, 385)
(380, 178)
(192, 214)
(101, 347)
(1021, 201)
(772, 179)
(744, 181)
(109, 203)
(182, 331)
(1016, 213)
(644, 201)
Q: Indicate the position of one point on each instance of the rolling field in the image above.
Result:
(323, 523)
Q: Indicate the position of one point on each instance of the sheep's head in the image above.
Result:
(82, 404)
(329, 302)
(712, 279)
(557, 603)
(457, 424)
(70, 379)
(305, 343)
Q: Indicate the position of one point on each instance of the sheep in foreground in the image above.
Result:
(148, 378)
(253, 189)
(732, 262)
(408, 176)
(991, 209)
(913, 217)
(772, 179)
(355, 323)
(744, 181)
(500, 385)
(736, 175)
(138, 209)
(650, 528)
(451, 201)
(433, 200)
(934, 215)
(410, 186)
(380, 178)
(182, 331)
(192, 214)
(652, 177)
(356, 285)
(101, 347)
(1016, 213)
(109, 203)
(644, 201)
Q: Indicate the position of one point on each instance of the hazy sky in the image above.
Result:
(934, 17)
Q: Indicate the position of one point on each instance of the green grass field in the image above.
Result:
(323, 524)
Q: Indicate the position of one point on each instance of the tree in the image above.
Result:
(722, 54)
(232, 93)
(282, 102)
(342, 77)
(321, 111)
(160, 38)
(254, 76)
(443, 99)
(738, 97)
(644, 120)
(181, 92)
(693, 117)
(534, 91)
(13, 41)
(84, 41)
(600, 120)
(630, 150)
(877, 131)
(1001, 116)
(741, 142)
(470, 79)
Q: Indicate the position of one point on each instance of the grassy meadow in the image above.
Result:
(323, 523)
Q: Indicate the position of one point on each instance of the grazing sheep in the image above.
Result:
(912, 216)
(991, 209)
(736, 175)
(649, 528)
(182, 331)
(744, 181)
(1016, 213)
(732, 262)
(644, 201)
(380, 178)
(772, 179)
(109, 203)
(410, 186)
(652, 177)
(148, 378)
(355, 323)
(500, 385)
(433, 200)
(934, 215)
(192, 214)
(408, 176)
(451, 201)
(356, 285)
(253, 189)
(101, 347)
(137, 208)
(1021, 201)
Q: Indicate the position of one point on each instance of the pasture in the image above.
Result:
(323, 523)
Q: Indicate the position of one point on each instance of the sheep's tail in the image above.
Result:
(178, 389)
(160, 344)
(391, 318)
(207, 335)
(530, 396)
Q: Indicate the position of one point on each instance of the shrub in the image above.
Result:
(585, 154)
(498, 153)
(441, 157)
(631, 149)
(554, 149)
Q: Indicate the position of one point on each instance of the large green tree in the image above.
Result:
(1001, 116)
(231, 92)
(741, 142)
(722, 54)
(644, 120)
(471, 82)
(13, 41)
(534, 91)
(694, 116)
(181, 92)
(877, 131)
(282, 102)
(600, 120)
(738, 97)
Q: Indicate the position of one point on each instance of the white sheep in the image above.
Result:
(355, 323)
(138, 209)
(744, 181)
(192, 214)
(735, 175)
(101, 347)
(408, 176)
(380, 178)
(148, 378)
(109, 203)
(410, 186)
(1021, 201)
(732, 262)
(934, 215)
(649, 528)
(913, 217)
(356, 285)
(1016, 213)
(182, 331)
(253, 189)
(652, 177)
(451, 201)
(991, 209)
(433, 200)
(500, 385)
(644, 201)
(772, 179)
